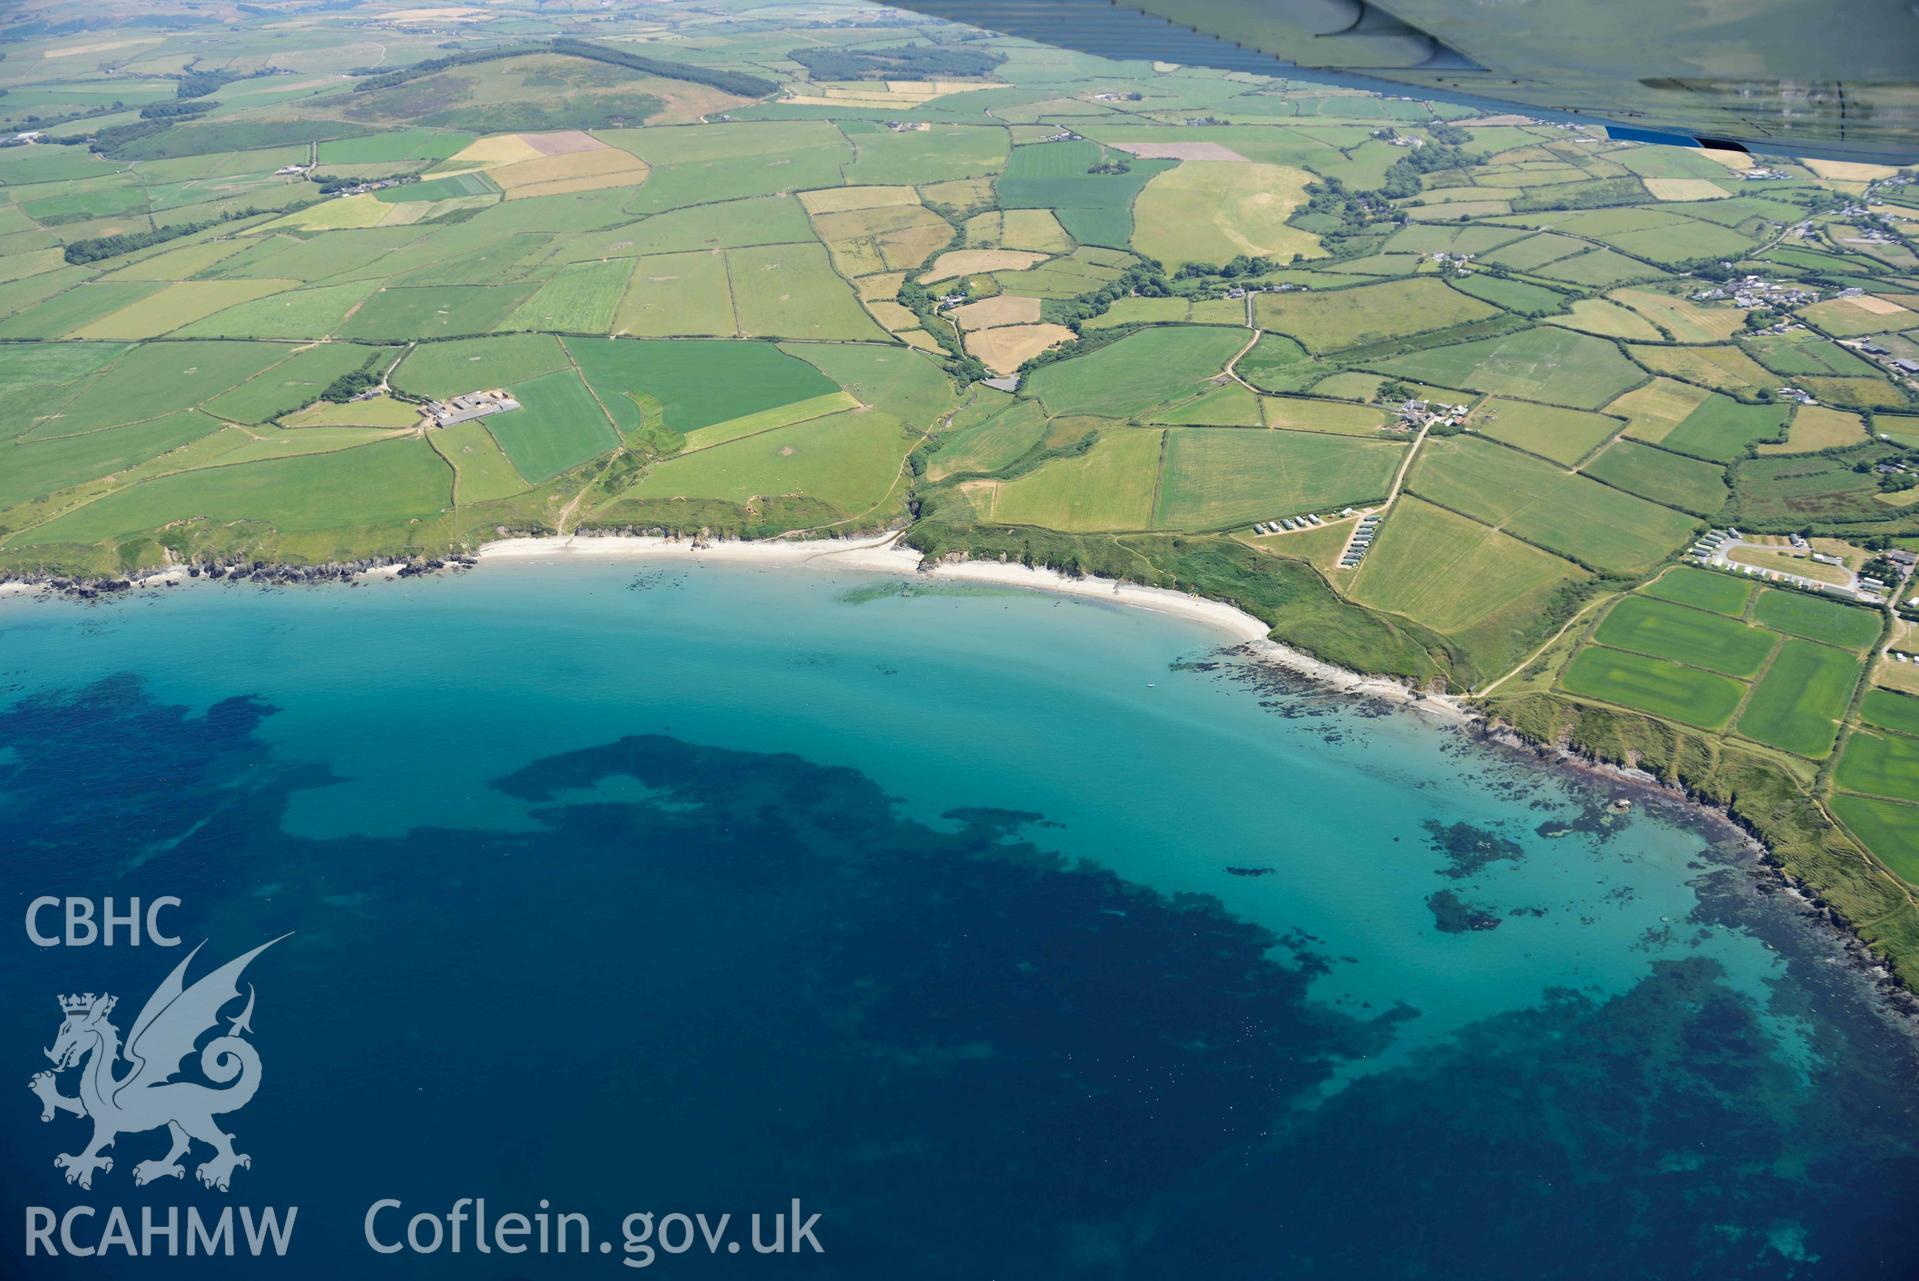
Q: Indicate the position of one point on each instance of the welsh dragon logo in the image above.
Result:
(146, 1096)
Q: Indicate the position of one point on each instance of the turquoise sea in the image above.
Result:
(1016, 937)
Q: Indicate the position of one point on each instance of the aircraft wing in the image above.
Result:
(1800, 77)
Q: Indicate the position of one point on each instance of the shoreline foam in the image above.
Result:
(884, 554)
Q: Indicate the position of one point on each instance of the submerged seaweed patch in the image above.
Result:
(1470, 850)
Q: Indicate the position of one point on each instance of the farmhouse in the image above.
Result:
(468, 406)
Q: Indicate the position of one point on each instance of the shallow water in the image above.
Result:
(1015, 936)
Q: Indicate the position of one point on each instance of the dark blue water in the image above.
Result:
(1013, 938)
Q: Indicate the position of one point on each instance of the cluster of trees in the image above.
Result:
(98, 247)
(107, 140)
(916, 298)
(200, 84)
(1600, 193)
(1402, 180)
(734, 82)
(907, 62)
(330, 183)
(347, 386)
(1144, 279)
(174, 110)
(1238, 266)
(1351, 210)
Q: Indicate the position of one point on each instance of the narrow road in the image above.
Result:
(1405, 465)
(1532, 657)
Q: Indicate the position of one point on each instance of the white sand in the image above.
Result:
(884, 554)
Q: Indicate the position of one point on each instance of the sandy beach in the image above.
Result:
(885, 554)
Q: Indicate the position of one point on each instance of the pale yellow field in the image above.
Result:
(1816, 427)
(338, 214)
(1877, 306)
(178, 264)
(490, 152)
(965, 262)
(177, 305)
(884, 285)
(960, 193)
(378, 412)
(1685, 189)
(98, 46)
(1005, 349)
(1210, 210)
(884, 93)
(1737, 161)
(892, 315)
(1033, 229)
(574, 171)
(922, 340)
(1849, 170)
(841, 199)
(1607, 319)
(1654, 410)
(1689, 321)
(444, 13)
(990, 313)
(864, 241)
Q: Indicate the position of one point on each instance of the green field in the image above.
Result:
(1139, 371)
(1563, 435)
(444, 369)
(1720, 429)
(1685, 483)
(443, 311)
(1547, 364)
(670, 295)
(1657, 685)
(1802, 488)
(1220, 477)
(1484, 589)
(392, 481)
(1228, 405)
(1890, 830)
(580, 299)
(937, 154)
(1685, 635)
(1514, 295)
(847, 461)
(694, 384)
(991, 443)
(791, 291)
(1301, 413)
(1535, 500)
(1799, 614)
(1276, 363)
(43, 467)
(1110, 486)
(1798, 703)
(294, 383)
(1880, 765)
(558, 426)
(482, 471)
(1703, 589)
(296, 313)
(1889, 710)
(1333, 319)
(146, 382)
(1095, 209)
